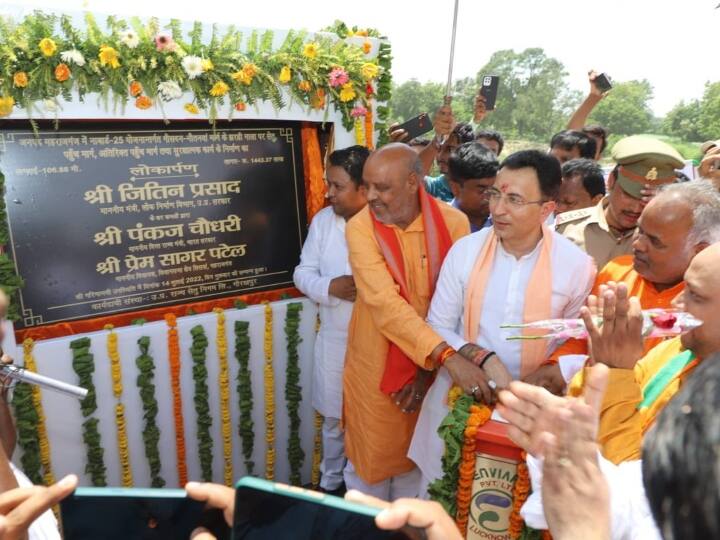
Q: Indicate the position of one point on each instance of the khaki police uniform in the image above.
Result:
(641, 161)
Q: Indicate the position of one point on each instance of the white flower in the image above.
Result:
(130, 39)
(192, 66)
(169, 90)
(73, 56)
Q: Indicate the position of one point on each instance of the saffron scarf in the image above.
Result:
(538, 296)
(399, 368)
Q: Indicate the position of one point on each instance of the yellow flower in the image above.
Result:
(6, 105)
(219, 89)
(207, 64)
(347, 93)
(310, 50)
(250, 69)
(20, 79)
(191, 108)
(285, 75)
(47, 46)
(369, 71)
(304, 86)
(361, 33)
(108, 56)
(242, 77)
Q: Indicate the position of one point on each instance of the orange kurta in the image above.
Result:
(621, 270)
(377, 432)
(623, 423)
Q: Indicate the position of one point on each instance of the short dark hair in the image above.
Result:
(351, 159)
(419, 141)
(546, 167)
(492, 135)
(569, 139)
(589, 172)
(680, 460)
(599, 131)
(472, 160)
(464, 132)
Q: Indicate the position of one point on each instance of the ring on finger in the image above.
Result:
(474, 389)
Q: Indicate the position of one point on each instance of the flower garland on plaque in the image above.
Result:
(201, 399)
(120, 423)
(245, 394)
(269, 384)
(84, 365)
(174, 360)
(224, 383)
(151, 432)
(293, 391)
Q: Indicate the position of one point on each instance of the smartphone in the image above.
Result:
(417, 126)
(603, 83)
(267, 510)
(489, 90)
(136, 514)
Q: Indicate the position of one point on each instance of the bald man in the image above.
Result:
(396, 247)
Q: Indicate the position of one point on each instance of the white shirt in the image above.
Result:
(630, 515)
(324, 257)
(573, 273)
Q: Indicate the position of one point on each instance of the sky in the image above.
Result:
(672, 44)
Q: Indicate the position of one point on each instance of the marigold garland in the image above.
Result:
(521, 491)
(198, 352)
(84, 365)
(224, 382)
(151, 432)
(120, 422)
(174, 359)
(293, 391)
(245, 394)
(269, 383)
(479, 415)
(369, 128)
(359, 133)
(317, 451)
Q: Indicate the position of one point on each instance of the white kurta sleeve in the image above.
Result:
(630, 515)
(307, 276)
(447, 303)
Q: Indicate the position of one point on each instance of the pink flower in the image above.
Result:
(338, 76)
(164, 43)
(358, 111)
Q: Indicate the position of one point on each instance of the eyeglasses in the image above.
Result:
(512, 199)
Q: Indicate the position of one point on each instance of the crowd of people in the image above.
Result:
(415, 274)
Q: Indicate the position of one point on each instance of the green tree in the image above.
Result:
(413, 97)
(533, 100)
(709, 121)
(626, 110)
(683, 121)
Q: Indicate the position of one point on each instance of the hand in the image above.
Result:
(618, 343)
(343, 287)
(529, 409)
(444, 121)
(710, 165)
(575, 494)
(497, 372)
(19, 507)
(216, 496)
(549, 377)
(479, 110)
(5, 382)
(470, 378)
(594, 90)
(647, 193)
(396, 134)
(426, 515)
(410, 397)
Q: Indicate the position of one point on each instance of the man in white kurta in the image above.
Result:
(571, 276)
(324, 275)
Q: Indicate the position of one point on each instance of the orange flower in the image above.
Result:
(20, 79)
(317, 101)
(366, 46)
(304, 86)
(143, 102)
(521, 491)
(62, 73)
(135, 89)
(240, 106)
